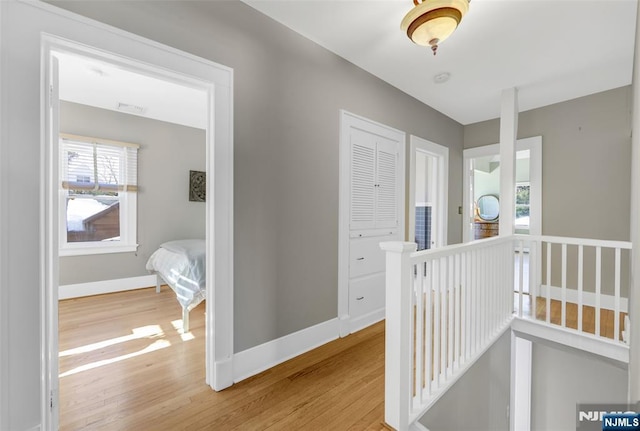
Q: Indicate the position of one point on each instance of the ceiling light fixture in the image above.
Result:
(430, 22)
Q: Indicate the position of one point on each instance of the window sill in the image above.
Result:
(82, 250)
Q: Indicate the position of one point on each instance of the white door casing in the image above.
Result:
(440, 216)
(534, 145)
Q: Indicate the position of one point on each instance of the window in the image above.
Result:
(98, 195)
(522, 205)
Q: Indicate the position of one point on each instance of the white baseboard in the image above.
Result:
(259, 358)
(588, 298)
(106, 286)
(224, 374)
(358, 323)
(417, 426)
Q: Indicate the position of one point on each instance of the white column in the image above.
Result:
(508, 134)
(634, 300)
(397, 365)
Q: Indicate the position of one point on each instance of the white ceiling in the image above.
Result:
(94, 83)
(551, 50)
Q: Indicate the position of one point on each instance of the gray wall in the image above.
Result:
(562, 377)
(479, 400)
(167, 153)
(287, 95)
(586, 162)
(586, 175)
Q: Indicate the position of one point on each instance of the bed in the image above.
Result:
(181, 265)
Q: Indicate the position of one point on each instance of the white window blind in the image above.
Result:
(96, 165)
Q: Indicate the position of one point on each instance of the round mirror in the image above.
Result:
(488, 207)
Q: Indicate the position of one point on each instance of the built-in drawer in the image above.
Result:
(366, 294)
(365, 256)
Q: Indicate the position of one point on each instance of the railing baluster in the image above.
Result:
(436, 323)
(563, 310)
(533, 277)
(458, 309)
(464, 309)
(520, 277)
(473, 328)
(412, 333)
(481, 307)
(419, 343)
(548, 284)
(443, 314)
(580, 284)
(429, 327)
(616, 309)
(450, 327)
(598, 287)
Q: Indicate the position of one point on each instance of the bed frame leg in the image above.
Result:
(185, 320)
(157, 283)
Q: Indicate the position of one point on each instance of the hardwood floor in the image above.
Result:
(125, 366)
(588, 315)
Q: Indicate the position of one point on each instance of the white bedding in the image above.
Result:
(182, 265)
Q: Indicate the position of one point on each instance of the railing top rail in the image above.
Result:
(448, 250)
(625, 245)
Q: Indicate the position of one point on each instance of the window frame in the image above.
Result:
(128, 211)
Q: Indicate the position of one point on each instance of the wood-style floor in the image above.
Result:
(125, 366)
(607, 318)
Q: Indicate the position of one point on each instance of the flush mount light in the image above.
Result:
(430, 22)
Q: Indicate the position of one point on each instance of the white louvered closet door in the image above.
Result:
(363, 180)
(374, 181)
(386, 214)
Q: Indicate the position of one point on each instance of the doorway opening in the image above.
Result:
(481, 193)
(125, 151)
(428, 191)
(120, 52)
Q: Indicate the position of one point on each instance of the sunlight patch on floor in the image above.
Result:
(136, 333)
(186, 336)
(157, 345)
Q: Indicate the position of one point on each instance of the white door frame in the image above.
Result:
(440, 216)
(117, 46)
(534, 145)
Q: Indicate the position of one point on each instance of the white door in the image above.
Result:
(428, 191)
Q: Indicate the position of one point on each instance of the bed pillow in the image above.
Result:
(192, 248)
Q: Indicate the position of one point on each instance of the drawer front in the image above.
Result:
(366, 294)
(365, 256)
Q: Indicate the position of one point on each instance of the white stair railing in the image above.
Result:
(445, 307)
(570, 277)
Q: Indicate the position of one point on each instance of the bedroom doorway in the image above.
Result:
(125, 52)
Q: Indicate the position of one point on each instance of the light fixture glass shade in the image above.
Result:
(430, 22)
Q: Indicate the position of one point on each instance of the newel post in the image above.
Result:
(398, 367)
